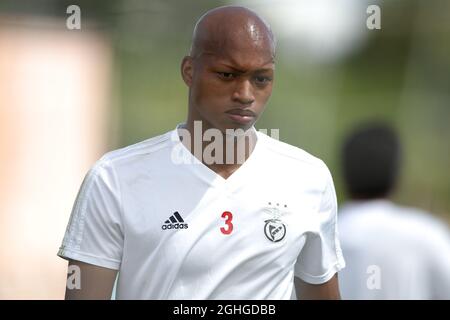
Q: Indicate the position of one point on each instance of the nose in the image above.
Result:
(243, 93)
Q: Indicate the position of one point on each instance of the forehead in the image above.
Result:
(244, 60)
(245, 44)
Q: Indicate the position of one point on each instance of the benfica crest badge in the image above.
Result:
(274, 229)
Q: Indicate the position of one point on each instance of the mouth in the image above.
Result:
(241, 116)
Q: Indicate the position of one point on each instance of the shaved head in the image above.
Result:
(231, 27)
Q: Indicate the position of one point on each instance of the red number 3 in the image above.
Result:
(228, 216)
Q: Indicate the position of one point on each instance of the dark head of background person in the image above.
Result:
(230, 69)
(371, 161)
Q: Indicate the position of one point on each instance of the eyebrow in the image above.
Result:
(242, 71)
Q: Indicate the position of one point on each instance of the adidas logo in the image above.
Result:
(174, 222)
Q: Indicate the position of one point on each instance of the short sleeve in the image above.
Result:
(321, 256)
(94, 233)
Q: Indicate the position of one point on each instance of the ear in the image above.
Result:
(187, 70)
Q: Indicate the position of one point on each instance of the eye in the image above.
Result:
(226, 75)
(262, 80)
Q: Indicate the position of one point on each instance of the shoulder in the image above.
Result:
(401, 222)
(294, 158)
(136, 154)
(422, 221)
(424, 229)
(147, 147)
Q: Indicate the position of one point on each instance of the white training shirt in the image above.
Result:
(181, 231)
(393, 252)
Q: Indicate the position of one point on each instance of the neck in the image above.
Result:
(222, 152)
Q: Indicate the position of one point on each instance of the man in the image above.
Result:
(392, 252)
(177, 225)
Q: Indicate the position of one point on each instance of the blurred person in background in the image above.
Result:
(391, 251)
